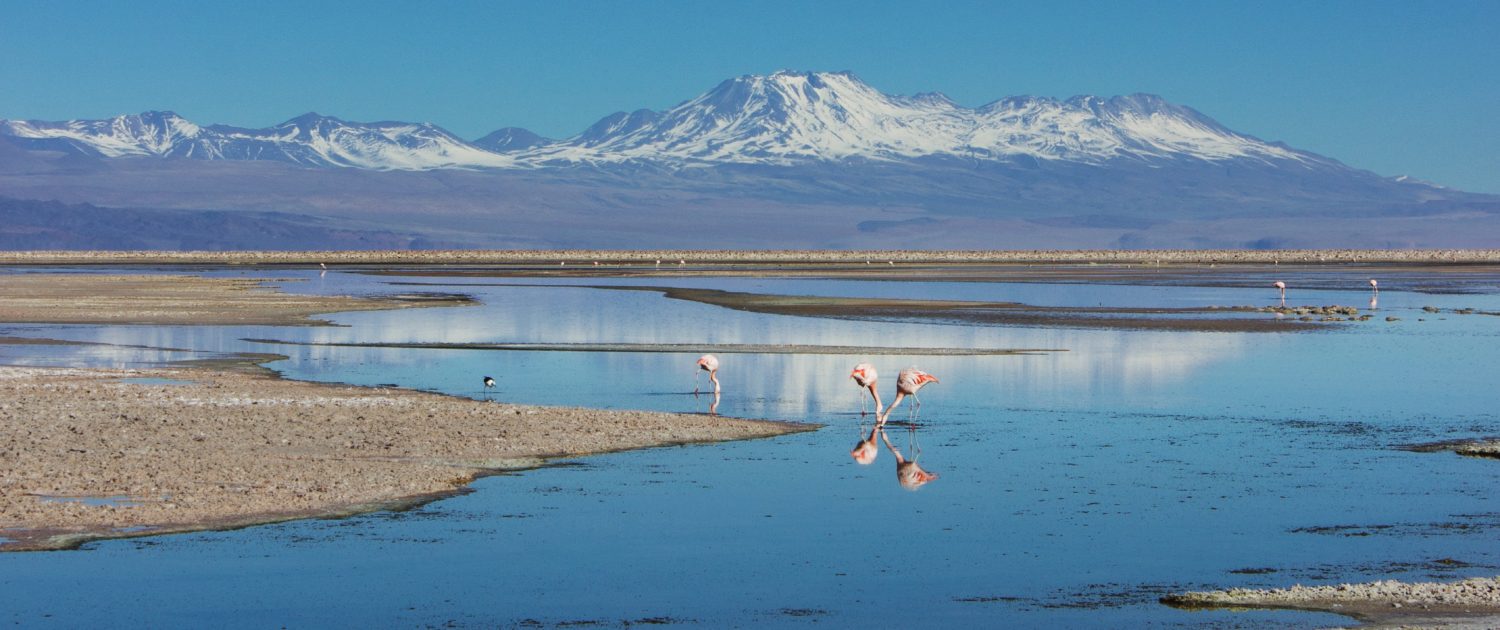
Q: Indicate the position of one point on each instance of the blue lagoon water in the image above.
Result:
(1075, 487)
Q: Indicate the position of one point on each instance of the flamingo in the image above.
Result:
(708, 363)
(1282, 286)
(864, 376)
(1374, 286)
(907, 383)
(489, 383)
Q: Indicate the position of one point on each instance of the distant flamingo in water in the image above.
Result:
(1374, 286)
(864, 376)
(1282, 287)
(708, 363)
(907, 383)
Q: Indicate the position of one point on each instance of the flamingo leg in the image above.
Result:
(916, 405)
(714, 376)
(695, 382)
(862, 406)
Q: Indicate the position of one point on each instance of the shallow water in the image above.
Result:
(1074, 487)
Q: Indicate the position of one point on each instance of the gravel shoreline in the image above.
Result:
(85, 455)
(586, 256)
(1428, 604)
(178, 300)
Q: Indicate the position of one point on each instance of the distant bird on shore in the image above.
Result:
(708, 363)
(864, 376)
(489, 383)
(681, 262)
(323, 266)
(908, 382)
(1282, 287)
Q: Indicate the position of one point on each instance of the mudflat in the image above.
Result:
(178, 299)
(1468, 603)
(85, 454)
(1210, 318)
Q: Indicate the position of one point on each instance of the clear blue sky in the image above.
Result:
(1394, 87)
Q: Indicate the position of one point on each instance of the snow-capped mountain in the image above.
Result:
(785, 118)
(149, 133)
(790, 159)
(310, 139)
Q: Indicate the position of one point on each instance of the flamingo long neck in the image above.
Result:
(876, 395)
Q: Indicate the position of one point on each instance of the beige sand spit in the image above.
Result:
(84, 455)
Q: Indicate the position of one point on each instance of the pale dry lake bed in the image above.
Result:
(1086, 470)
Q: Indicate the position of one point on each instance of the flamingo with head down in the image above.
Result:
(864, 376)
(908, 382)
(708, 363)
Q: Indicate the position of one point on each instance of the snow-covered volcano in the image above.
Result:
(790, 117)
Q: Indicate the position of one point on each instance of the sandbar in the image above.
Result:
(1473, 602)
(62, 298)
(86, 454)
(685, 348)
(1200, 319)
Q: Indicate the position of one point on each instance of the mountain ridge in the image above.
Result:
(810, 160)
(784, 118)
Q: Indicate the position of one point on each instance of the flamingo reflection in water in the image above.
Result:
(865, 449)
(908, 472)
(713, 406)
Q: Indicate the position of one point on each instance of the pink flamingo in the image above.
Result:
(864, 376)
(1374, 286)
(708, 363)
(1282, 286)
(907, 383)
